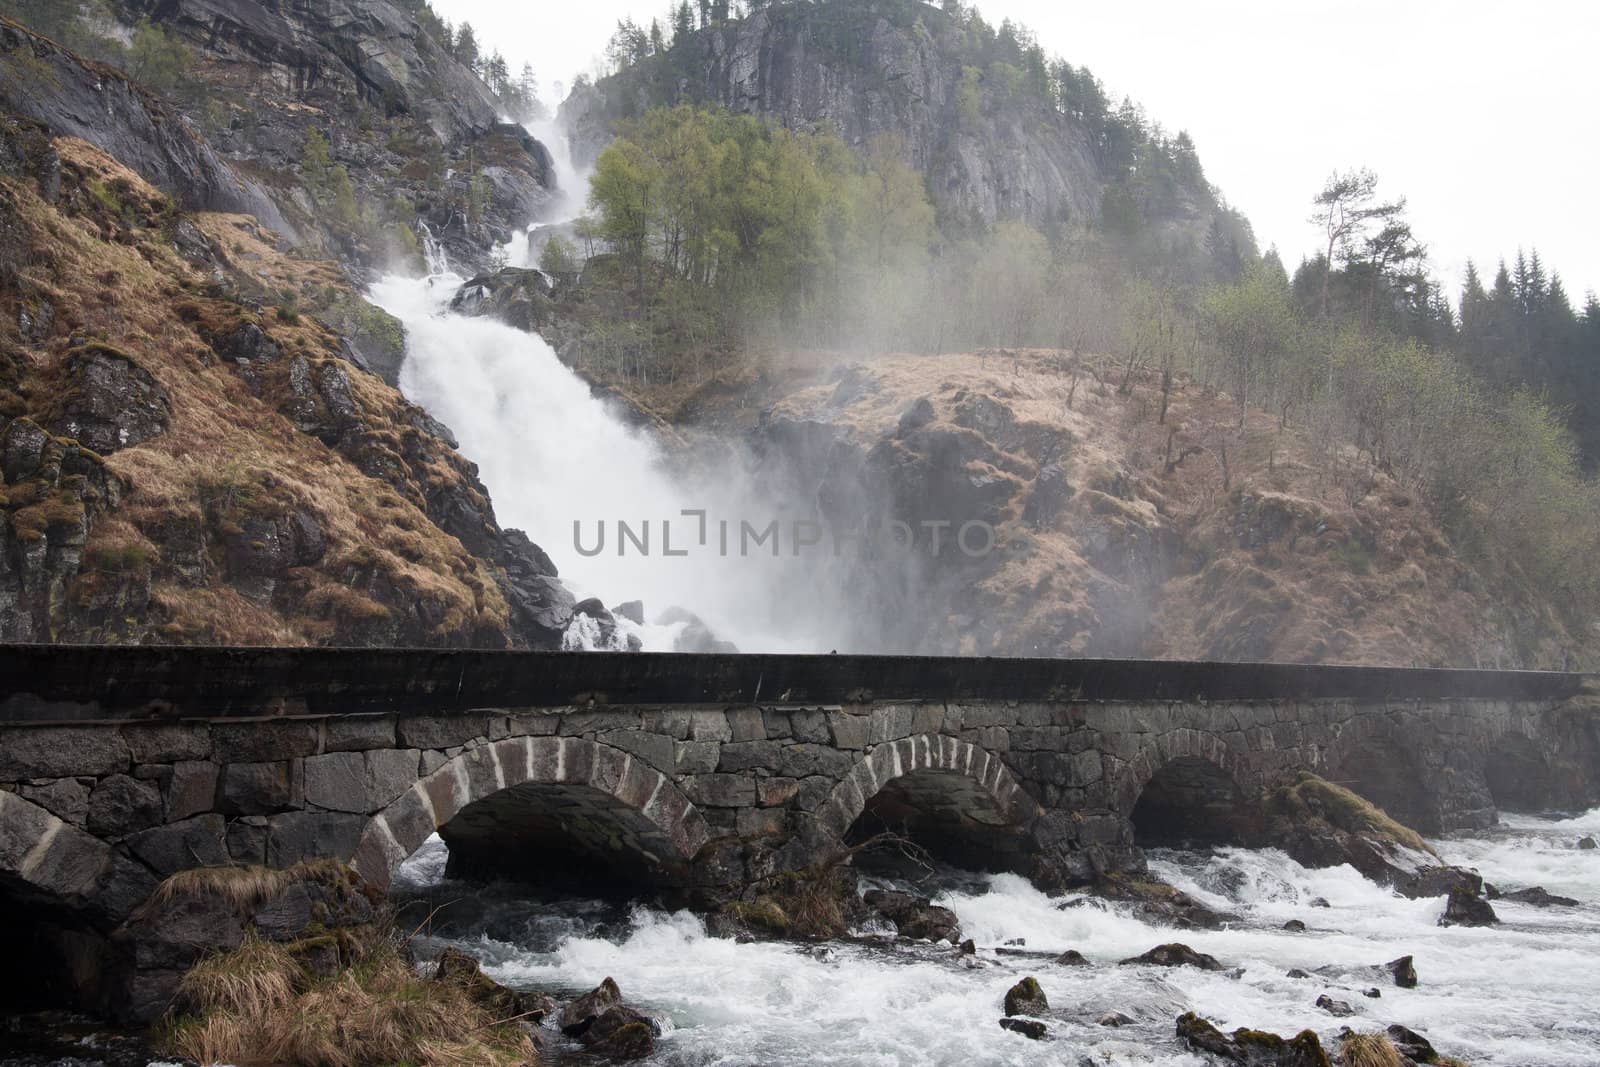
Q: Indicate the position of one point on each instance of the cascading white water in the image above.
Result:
(553, 455)
(562, 466)
(1516, 995)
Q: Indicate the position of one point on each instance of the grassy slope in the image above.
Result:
(103, 258)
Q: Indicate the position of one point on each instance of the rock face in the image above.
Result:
(407, 122)
(1466, 908)
(995, 157)
(109, 111)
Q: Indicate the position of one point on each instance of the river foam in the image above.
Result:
(1516, 995)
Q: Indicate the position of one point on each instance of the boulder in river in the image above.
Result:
(1337, 1008)
(1026, 998)
(1587, 843)
(578, 1015)
(1539, 897)
(1026, 1027)
(1403, 971)
(1176, 954)
(1465, 908)
(1412, 1045)
(1256, 1048)
(1072, 958)
(915, 917)
(1114, 1018)
(1295, 926)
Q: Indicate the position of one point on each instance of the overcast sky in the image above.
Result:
(1482, 114)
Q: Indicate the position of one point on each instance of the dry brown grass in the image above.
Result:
(1368, 1050)
(107, 265)
(246, 887)
(260, 1005)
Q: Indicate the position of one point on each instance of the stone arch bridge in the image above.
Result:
(120, 766)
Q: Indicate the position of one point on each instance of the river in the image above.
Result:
(1520, 994)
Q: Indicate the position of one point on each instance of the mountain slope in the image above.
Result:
(190, 451)
(996, 135)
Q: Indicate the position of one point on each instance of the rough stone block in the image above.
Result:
(358, 733)
(439, 731)
(196, 842)
(720, 790)
(192, 789)
(247, 839)
(259, 742)
(753, 821)
(337, 781)
(777, 723)
(810, 726)
(589, 722)
(709, 726)
(121, 805)
(168, 742)
(257, 788)
(747, 724)
(748, 755)
(848, 731)
(61, 752)
(696, 757)
(776, 792)
(654, 749)
(535, 724)
(800, 761)
(304, 835)
(65, 798)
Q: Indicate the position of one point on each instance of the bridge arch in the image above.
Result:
(955, 799)
(62, 890)
(1193, 801)
(1518, 774)
(527, 804)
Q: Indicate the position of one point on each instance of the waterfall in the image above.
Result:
(433, 251)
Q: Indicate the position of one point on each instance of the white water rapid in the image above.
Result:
(1520, 994)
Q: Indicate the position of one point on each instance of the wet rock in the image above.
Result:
(1320, 902)
(1160, 903)
(1255, 1048)
(632, 610)
(1465, 908)
(1026, 998)
(1175, 954)
(1295, 926)
(1587, 843)
(1373, 993)
(578, 1015)
(1114, 1018)
(1539, 897)
(1412, 1045)
(1031, 1028)
(1296, 972)
(621, 1033)
(969, 947)
(1337, 1008)
(1403, 971)
(915, 917)
(1072, 958)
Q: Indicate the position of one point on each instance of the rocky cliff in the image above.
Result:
(420, 138)
(989, 151)
(192, 449)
